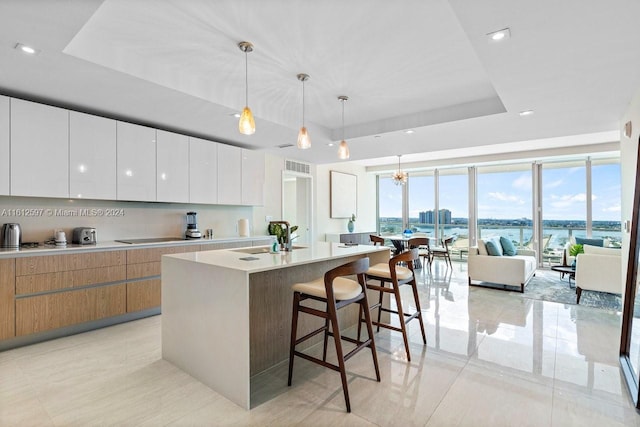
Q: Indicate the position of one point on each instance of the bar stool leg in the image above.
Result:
(294, 328)
(326, 337)
(417, 300)
(338, 342)
(364, 306)
(403, 325)
(380, 296)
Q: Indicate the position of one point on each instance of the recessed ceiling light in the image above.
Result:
(236, 115)
(26, 49)
(377, 136)
(526, 113)
(499, 36)
(330, 144)
(409, 131)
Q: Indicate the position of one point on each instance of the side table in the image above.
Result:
(565, 269)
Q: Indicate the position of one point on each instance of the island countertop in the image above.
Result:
(257, 258)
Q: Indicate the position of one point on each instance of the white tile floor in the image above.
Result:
(492, 358)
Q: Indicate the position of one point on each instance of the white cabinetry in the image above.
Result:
(252, 178)
(136, 160)
(172, 167)
(229, 175)
(92, 156)
(4, 146)
(39, 150)
(203, 176)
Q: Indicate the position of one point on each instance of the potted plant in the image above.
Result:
(574, 250)
(281, 232)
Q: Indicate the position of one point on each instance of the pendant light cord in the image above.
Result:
(246, 78)
(343, 119)
(303, 102)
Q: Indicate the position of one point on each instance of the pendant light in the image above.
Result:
(246, 125)
(343, 149)
(399, 177)
(304, 141)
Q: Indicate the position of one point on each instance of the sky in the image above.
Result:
(507, 195)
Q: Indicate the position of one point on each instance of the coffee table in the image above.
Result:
(565, 269)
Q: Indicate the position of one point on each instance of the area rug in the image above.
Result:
(548, 286)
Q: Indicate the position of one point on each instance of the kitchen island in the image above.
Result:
(226, 314)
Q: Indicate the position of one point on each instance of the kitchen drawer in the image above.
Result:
(145, 269)
(45, 312)
(137, 256)
(55, 263)
(34, 283)
(143, 295)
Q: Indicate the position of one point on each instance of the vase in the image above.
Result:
(350, 226)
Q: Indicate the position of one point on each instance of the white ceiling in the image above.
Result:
(416, 64)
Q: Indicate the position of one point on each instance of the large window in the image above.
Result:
(389, 206)
(578, 198)
(605, 200)
(564, 205)
(504, 203)
(453, 202)
(422, 203)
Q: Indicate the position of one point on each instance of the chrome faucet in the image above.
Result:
(287, 246)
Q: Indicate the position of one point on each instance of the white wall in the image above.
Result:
(628, 157)
(140, 219)
(366, 203)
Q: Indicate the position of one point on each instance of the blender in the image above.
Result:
(192, 226)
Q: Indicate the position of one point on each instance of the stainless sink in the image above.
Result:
(261, 250)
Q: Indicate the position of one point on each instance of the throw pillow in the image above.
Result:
(591, 242)
(482, 248)
(507, 246)
(493, 248)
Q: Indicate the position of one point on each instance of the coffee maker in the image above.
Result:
(192, 226)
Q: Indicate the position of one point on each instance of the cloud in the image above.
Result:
(567, 200)
(523, 182)
(615, 208)
(554, 184)
(504, 197)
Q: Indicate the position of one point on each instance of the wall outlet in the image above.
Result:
(268, 218)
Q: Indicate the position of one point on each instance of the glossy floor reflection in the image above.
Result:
(492, 358)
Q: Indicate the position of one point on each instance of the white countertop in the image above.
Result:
(112, 245)
(252, 263)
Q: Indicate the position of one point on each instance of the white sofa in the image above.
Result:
(599, 269)
(514, 270)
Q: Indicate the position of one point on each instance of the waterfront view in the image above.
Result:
(556, 232)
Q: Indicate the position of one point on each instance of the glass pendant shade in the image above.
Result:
(304, 141)
(343, 150)
(247, 125)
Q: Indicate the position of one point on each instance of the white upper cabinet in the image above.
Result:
(252, 178)
(92, 156)
(203, 175)
(39, 150)
(172, 167)
(229, 175)
(136, 160)
(4, 146)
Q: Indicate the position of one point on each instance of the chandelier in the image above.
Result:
(399, 177)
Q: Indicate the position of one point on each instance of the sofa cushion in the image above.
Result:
(493, 248)
(588, 249)
(482, 248)
(507, 247)
(592, 242)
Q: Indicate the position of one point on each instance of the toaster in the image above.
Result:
(84, 236)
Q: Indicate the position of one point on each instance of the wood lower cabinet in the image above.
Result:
(7, 298)
(144, 267)
(45, 312)
(54, 291)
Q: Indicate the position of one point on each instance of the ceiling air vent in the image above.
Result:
(292, 166)
(284, 145)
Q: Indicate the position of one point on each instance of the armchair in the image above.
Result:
(598, 269)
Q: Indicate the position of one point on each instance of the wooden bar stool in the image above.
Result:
(337, 292)
(397, 276)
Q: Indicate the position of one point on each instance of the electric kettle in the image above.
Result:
(10, 236)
